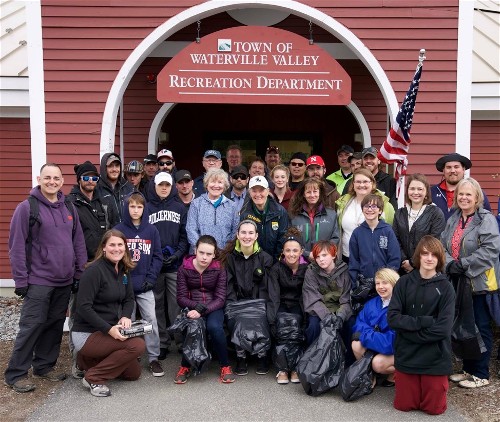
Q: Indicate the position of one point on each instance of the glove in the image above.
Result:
(21, 291)
(75, 285)
(455, 268)
(171, 260)
(146, 287)
(356, 336)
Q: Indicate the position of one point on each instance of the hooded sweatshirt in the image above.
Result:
(57, 256)
(169, 216)
(105, 190)
(145, 248)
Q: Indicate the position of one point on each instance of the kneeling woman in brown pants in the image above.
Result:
(104, 305)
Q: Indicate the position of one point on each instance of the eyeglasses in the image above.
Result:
(240, 176)
(90, 178)
(370, 207)
(296, 164)
(165, 163)
(362, 182)
(210, 160)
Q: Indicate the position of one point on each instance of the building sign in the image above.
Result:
(254, 65)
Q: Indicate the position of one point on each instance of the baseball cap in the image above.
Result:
(453, 157)
(163, 177)
(165, 153)
(212, 153)
(239, 170)
(273, 149)
(150, 158)
(258, 181)
(315, 160)
(345, 148)
(369, 151)
(355, 156)
(134, 167)
(112, 158)
(299, 156)
(183, 175)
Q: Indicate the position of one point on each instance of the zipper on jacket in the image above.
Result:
(201, 289)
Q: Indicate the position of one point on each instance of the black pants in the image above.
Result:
(40, 332)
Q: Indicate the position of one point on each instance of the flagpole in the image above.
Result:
(402, 178)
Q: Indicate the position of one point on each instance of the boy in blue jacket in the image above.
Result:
(144, 243)
(373, 244)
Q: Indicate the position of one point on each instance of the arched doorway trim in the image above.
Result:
(188, 16)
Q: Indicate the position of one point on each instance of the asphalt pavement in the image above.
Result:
(251, 398)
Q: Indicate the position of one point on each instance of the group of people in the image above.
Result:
(150, 239)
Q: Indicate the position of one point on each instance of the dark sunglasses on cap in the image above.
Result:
(271, 148)
(165, 163)
(240, 176)
(90, 178)
(297, 164)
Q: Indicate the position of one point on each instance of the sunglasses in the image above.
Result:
(165, 163)
(370, 207)
(90, 178)
(297, 164)
(240, 176)
(272, 149)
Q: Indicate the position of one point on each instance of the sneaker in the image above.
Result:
(226, 375)
(52, 375)
(473, 382)
(76, 372)
(156, 369)
(183, 375)
(282, 377)
(241, 367)
(21, 386)
(97, 390)
(459, 376)
(294, 377)
(262, 366)
(163, 353)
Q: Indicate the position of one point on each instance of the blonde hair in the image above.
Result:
(387, 274)
(475, 186)
(216, 174)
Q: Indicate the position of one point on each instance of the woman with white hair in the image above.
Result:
(212, 213)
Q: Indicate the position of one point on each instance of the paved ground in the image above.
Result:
(250, 398)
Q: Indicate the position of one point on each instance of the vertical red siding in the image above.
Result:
(485, 157)
(15, 178)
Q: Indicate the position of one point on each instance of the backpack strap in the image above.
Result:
(71, 208)
(34, 213)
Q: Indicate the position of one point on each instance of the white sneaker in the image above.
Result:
(97, 390)
(282, 377)
(473, 382)
(459, 376)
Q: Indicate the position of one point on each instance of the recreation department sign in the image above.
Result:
(254, 65)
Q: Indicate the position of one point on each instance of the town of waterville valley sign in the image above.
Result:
(254, 65)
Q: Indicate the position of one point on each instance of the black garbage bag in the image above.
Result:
(289, 341)
(363, 293)
(357, 379)
(466, 341)
(194, 347)
(249, 326)
(322, 364)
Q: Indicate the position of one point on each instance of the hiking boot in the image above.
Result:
(459, 376)
(163, 353)
(21, 385)
(52, 375)
(282, 377)
(474, 382)
(226, 375)
(294, 377)
(97, 390)
(183, 375)
(156, 369)
(76, 372)
(262, 366)
(241, 367)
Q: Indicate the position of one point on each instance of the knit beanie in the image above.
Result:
(86, 167)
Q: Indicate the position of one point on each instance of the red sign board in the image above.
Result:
(254, 65)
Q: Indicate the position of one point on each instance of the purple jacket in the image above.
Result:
(56, 255)
(205, 292)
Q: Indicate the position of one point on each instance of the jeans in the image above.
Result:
(165, 293)
(40, 332)
(146, 304)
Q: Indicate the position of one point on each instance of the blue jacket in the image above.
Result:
(369, 251)
(145, 248)
(221, 222)
(439, 199)
(169, 216)
(373, 315)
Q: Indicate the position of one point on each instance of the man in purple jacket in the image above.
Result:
(58, 255)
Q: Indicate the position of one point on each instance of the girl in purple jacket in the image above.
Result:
(201, 287)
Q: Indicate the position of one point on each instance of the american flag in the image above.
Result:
(395, 147)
